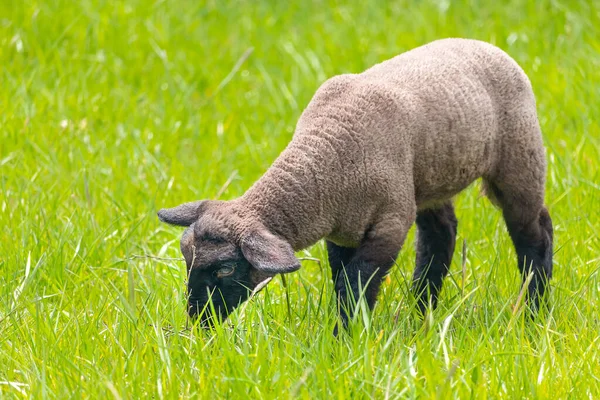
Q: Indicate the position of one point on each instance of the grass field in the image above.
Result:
(112, 110)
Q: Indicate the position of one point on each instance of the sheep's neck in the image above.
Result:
(292, 198)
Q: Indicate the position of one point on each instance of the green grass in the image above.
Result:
(112, 110)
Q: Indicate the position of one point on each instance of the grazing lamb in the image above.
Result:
(373, 153)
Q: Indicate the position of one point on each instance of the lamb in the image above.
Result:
(372, 154)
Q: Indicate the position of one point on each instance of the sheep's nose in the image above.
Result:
(194, 308)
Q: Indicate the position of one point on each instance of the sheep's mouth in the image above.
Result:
(199, 310)
(196, 307)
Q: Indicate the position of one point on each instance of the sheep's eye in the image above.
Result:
(225, 271)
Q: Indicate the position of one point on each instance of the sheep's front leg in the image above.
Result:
(338, 258)
(371, 262)
(436, 236)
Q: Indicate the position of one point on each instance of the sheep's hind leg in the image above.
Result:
(530, 228)
(517, 185)
(369, 265)
(436, 237)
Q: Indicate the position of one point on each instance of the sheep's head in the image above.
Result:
(227, 256)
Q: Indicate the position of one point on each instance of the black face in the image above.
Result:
(226, 284)
(225, 262)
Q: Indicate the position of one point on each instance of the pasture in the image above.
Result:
(110, 111)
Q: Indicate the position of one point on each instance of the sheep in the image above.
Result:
(371, 154)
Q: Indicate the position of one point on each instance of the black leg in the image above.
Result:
(370, 263)
(338, 257)
(436, 237)
(530, 228)
(532, 239)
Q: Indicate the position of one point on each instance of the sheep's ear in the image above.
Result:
(268, 253)
(183, 215)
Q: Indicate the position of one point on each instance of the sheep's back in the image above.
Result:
(446, 102)
(462, 92)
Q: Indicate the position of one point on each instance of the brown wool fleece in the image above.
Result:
(407, 134)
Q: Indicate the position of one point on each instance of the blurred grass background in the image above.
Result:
(113, 109)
